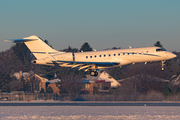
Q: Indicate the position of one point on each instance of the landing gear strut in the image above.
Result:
(162, 64)
(93, 73)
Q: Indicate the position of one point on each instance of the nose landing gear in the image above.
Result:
(162, 64)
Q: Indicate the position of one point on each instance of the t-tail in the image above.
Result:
(37, 46)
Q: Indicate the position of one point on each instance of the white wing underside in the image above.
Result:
(83, 65)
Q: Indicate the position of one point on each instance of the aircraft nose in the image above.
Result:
(172, 55)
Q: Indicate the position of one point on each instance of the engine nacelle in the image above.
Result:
(41, 61)
(65, 56)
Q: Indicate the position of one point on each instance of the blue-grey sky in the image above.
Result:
(101, 23)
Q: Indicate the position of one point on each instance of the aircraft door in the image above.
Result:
(73, 56)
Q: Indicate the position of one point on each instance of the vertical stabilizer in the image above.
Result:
(38, 47)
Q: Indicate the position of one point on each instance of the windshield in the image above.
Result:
(162, 49)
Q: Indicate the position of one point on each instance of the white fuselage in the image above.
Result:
(121, 56)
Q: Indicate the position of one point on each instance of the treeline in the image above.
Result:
(18, 57)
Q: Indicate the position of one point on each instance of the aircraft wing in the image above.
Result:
(85, 65)
(96, 63)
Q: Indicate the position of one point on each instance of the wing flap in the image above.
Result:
(83, 67)
(76, 65)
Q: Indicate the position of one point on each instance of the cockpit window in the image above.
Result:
(162, 49)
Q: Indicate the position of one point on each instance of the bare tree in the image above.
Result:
(71, 85)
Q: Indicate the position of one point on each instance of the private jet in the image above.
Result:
(94, 60)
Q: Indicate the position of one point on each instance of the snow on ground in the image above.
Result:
(89, 113)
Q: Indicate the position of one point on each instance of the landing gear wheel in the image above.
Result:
(94, 73)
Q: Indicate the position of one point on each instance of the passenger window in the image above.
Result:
(99, 55)
(104, 55)
(123, 53)
(128, 53)
(90, 56)
(95, 56)
(119, 54)
(132, 53)
(86, 56)
(114, 54)
(109, 55)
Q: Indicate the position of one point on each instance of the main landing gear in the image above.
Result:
(94, 73)
(162, 64)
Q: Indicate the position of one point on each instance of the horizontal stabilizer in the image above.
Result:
(20, 40)
(26, 39)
